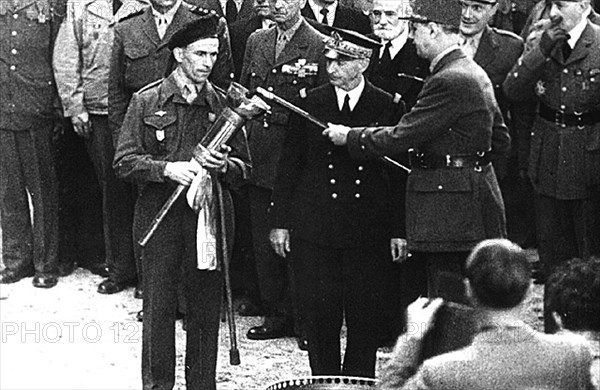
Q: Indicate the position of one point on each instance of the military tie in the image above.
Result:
(386, 57)
(566, 50)
(231, 11)
(280, 45)
(346, 107)
(324, 12)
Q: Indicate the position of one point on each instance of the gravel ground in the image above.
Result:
(70, 337)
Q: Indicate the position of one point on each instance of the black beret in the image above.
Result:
(204, 27)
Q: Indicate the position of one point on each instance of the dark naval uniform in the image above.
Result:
(452, 200)
(564, 163)
(300, 66)
(161, 126)
(341, 214)
(28, 102)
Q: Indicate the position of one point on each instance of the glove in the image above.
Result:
(552, 35)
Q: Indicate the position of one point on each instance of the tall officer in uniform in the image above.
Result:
(28, 112)
(283, 59)
(140, 56)
(563, 71)
(332, 13)
(496, 51)
(164, 123)
(81, 65)
(456, 129)
(337, 217)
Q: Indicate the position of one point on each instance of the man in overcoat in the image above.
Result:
(561, 73)
(284, 59)
(338, 217)
(164, 123)
(456, 129)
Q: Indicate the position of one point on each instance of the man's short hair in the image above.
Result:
(499, 273)
(573, 291)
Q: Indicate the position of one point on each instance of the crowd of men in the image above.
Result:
(430, 128)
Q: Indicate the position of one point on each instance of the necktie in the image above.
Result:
(280, 45)
(346, 107)
(386, 57)
(231, 11)
(566, 49)
(324, 12)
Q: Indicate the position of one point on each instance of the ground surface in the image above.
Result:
(70, 337)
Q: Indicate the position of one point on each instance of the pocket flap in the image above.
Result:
(441, 180)
(135, 52)
(159, 122)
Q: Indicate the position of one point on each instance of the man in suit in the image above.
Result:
(241, 30)
(28, 115)
(231, 10)
(331, 13)
(336, 217)
(140, 55)
(156, 150)
(505, 353)
(456, 129)
(285, 60)
(561, 73)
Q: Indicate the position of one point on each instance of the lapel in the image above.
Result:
(266, 47)
(149, 27)
(307, 12)
(101, 9)
(362, 109)
(252, 24)
(488, 47)
(129, 7)
(581, 49)
(179, 20)
(296, 47)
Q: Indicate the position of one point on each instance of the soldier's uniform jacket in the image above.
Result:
(324, 195)
(28, 92)
(447, 209)
(139, 57)
(300, 66)
(564, 159)
(82, 55)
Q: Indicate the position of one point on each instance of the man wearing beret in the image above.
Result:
(456, 129)
(337, 217)
(562, 73)
(284, 59)
(164, 123)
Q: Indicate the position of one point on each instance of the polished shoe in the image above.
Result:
(8, 276)
(109, 286)
(271, 330)
(140, 316)
(44, 281)
(302, 343)
(138, 293)
(100, 269)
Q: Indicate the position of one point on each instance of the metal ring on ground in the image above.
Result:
(325, 383)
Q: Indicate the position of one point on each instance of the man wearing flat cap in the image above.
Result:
(164, 123)
(562, 73)
(335, 217)
(455, 130)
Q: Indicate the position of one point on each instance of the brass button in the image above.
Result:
(360, 168)
(270, 89)
(562, 106)
(14, 51)
(334, 196)
(564, 89)
(357, 181)
(330, 166)
(332, 181)
(14, 33)
(12, 67)
(440, 187)
(357, 195)
(565, 70)
(274, 70)
(15, 16)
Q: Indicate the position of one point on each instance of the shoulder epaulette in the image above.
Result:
(507, 33)
(151, 85)
(131, 15)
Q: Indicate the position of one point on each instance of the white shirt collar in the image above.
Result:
(168, 16)
(354, 94)
(397, 44)
(576, 31)
(437, 58)
(317, 11)
(267, 24)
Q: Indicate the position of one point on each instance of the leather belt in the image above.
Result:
(563, 119)
(433, 161)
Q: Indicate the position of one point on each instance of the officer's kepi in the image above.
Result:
(348, 45)
(204, 27)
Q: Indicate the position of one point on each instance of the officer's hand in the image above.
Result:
(420, 315)
(82, 124)
(552, 35)
(212, 159)
(338, 134)
(182, 172)
(399, 249)
(280, 241)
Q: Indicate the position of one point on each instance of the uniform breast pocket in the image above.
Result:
(137, 65)
(160, 133)
(443, 206)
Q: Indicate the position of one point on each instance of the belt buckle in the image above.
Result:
(579, 116)
(559, 118)
(448, 161)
